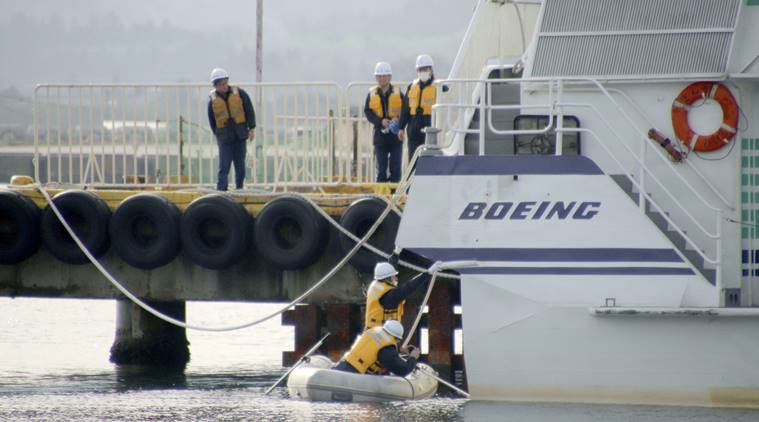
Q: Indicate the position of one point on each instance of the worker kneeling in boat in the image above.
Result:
(384, 298)
(376, 352)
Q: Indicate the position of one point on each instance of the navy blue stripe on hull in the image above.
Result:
(551, 254)
(577, 271)
(501, 165)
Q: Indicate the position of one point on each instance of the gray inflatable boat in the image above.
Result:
(315, 380)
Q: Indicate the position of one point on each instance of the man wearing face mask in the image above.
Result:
(417, 111)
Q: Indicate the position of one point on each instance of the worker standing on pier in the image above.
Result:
(233, 121)
(376, 352)
(421, 95)
(383, 109)
(384, 298)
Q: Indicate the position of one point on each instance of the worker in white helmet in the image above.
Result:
(233, 121)
(421, 96)
(383, 106)
(384, 298)
(376, 352)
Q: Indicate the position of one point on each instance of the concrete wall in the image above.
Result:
(251, 280)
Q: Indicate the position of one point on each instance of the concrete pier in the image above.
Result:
(142, 339)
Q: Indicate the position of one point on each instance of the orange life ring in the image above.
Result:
(682, 104)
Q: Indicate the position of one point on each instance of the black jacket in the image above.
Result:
(234, 132)
(393, 298)
(389, 358)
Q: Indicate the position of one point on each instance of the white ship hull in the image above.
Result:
(593, 305)
(526, 351)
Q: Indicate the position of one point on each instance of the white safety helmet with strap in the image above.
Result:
(382, 69)
(424, 60)
(394, 328)
(217, 74)
(384, 270)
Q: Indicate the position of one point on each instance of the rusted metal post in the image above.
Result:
(410, 310)
(441, 324)
(343, 321)
(307, 322)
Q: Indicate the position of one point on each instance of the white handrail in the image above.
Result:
(552, 108)
(158, 134)
(648, 196)
(607, 94)
(640, 112)
(643, 133)
(549, 106)
(659, 153)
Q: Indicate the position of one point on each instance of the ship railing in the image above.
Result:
(489, 44)
(554, 108)
(642, 132)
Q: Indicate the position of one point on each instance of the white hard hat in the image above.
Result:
(424, 60)
(218, 73)
(394, 328)
(384, 270)
(383, 68)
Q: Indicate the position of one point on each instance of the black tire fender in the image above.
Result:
(19, 227)
(358, 219)
(215, 231)
(290, 234)
(89, 217)
(145, 230)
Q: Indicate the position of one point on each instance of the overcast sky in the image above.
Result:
(175, 40)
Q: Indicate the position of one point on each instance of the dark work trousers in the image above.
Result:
(231, 152)
(388, 151)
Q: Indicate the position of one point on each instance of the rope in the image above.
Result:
(421, 310)
(183, 324)
(360, 243)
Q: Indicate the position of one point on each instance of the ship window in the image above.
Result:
(545, 143)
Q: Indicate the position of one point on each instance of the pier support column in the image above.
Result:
(307, 322)
(409, 315)
(344, 323)
(441, 324)
(142, 339)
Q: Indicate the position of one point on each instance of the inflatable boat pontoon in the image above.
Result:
(315, 380)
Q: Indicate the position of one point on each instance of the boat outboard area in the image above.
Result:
(315, 380)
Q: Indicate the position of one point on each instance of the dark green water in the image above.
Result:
(54, 367)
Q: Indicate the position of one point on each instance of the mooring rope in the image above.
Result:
(362, 242)
(420, 312)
